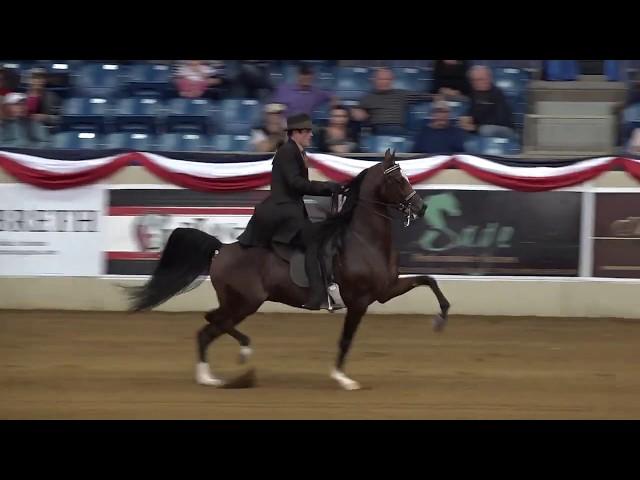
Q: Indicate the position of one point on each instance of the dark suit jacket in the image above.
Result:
(282, 214)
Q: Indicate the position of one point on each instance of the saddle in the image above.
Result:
(295, 257)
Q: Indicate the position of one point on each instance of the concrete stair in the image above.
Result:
(572, 118)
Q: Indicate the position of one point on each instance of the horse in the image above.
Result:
(365, 268)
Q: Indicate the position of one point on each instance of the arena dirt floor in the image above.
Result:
(79, 365)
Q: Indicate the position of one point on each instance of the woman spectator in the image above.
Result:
(337, 136)
(269, 136)
(43, 106)
(195, 79)
(17, 129)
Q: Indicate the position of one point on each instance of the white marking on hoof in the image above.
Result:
(344, 381)
(204, 376)
(439, 322)
(245, 353)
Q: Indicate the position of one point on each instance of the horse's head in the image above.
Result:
(396, 189)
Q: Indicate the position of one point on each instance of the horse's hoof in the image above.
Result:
(245, 353)
(351, 385)
(439, 322)
(210, 382)
(204, 377)
(344, 381)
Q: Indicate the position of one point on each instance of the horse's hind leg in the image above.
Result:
(226, 322)
(205, 336)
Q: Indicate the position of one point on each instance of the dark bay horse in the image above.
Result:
(365, 268)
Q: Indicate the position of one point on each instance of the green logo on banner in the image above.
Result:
(439, 237)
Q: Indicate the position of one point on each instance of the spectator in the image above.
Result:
(633, 146)
(489, 114)
(195, 78)
(4, 90)
(269, 137)
(385, 109)
(450, 78)
(253, 79)
(633, 94)
(43, 106)
(302, 97)
(18, 130)
(337, 137)
(633, 97)
(439, 135)
(4, 83)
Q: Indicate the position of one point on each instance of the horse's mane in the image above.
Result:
(338, 223)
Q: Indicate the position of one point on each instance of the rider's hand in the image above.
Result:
(334, 187)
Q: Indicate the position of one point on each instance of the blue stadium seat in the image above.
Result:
(76, 140)
(380, 143)
(148, 80)
(632, 113)
(137, 115)
(230, 143)
(472, 144)
(630, 121)
(418, 115)
(182, 142)
(352, 83)
(188, 115)
(277, 75)
(98, 79)
(458, 108)
(237, 116)
(512, 81)
(321, 114)
(496, 146)
(131, 141)
(561, 70)
(88, 114)
(21, 65)
(414, 79)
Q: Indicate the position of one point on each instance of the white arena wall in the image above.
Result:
(510, 296)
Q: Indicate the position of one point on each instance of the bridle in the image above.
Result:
(403, 206)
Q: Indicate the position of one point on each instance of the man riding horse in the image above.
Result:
(282, 216)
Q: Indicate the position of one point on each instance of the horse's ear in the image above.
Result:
(387, 157)
(393, 154)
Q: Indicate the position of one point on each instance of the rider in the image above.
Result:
(282, 216)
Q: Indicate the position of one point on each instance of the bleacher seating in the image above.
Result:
(182, 142)
(98, 80)
(188, 115)
(137, 99)
(137, 115)
(352, 83)
(236, 116)
(130, 141)
(496, 146)
(76, 140)
(148, 80)
(229, 143)
(380, 143)
(85, 114)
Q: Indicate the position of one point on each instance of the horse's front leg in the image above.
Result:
(351, 323)
(403, 285)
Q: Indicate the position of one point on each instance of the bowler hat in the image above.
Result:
(300, 121)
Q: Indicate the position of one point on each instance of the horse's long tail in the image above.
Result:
(186, 256)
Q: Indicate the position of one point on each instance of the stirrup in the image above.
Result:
(334, 299)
